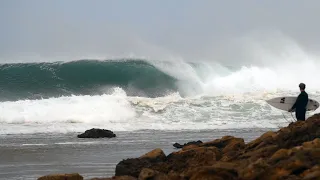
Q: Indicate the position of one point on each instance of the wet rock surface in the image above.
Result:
(97, 133)
(73, 176)
(293, 152)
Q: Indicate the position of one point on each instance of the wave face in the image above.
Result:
(85, 77)
(130, 95)
(146, 78)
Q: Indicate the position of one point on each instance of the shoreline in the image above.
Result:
(34, 155)
(292, 152)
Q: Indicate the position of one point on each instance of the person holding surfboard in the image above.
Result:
(301, 103)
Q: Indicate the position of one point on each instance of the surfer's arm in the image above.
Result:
(295, 104)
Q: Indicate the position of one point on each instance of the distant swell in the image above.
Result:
(42, 80)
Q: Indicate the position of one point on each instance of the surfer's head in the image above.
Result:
(302, 86)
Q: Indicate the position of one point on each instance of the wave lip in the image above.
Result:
(149, 78)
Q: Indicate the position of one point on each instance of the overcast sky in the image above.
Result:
(38, 30)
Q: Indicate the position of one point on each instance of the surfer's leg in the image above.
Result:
(297, 115)
(301, 115)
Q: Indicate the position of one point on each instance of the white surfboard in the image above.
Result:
(285, 103)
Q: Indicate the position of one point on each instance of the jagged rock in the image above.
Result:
(253, 170)
(297, 133)
(259, 153)
(291, 153)
(191, 146)
(133, 166)
(234, 144)
(200, 156)
(274, 155)
(280, 155)
(97, 133)
(312, 174)
(221, 143)
(156, 154)
(206, 173)
(226, 171)
(312, 144)
(117, 178)
(177, 145)
(149, 174)
(73, 176)
(264, 140)
(291, 163)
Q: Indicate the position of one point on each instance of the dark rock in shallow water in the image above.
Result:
(177, 145)
(97, 133)
(117, 178)
(293, 152)
(74, 176)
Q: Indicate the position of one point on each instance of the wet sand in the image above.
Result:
(34, 155)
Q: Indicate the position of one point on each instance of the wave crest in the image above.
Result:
(84, 77)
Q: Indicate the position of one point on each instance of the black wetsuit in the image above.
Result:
(301, 106)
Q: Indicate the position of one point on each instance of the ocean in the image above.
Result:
(147, 103)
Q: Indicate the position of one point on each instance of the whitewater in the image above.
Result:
(149, 104)
(64, 97)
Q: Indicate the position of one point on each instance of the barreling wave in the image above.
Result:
(83, 77)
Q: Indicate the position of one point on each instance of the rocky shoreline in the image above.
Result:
(293, 152)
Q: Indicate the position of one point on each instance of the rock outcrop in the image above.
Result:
(292, 153)
(132, 167)
(117, 178)
(97, 133)
(74, 176)
(177, 145)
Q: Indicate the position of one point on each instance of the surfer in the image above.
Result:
(301, 104)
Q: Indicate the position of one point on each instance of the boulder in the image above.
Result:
(312, 144)
(252, 170)
(274, 155)
(188, 147)
(116, 178)
(234, 144)
(148, 174)
(97, 133)
(73, 176)
(265, 139)
(133, 166)
(206, 173)
(298, 132)
(177, 145)
(221, 143)
(219, 170)
(280, 155)
(184, 159)
(156, 154)
(312, 174)
(292, 153)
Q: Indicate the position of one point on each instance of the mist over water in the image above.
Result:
(257, 62)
